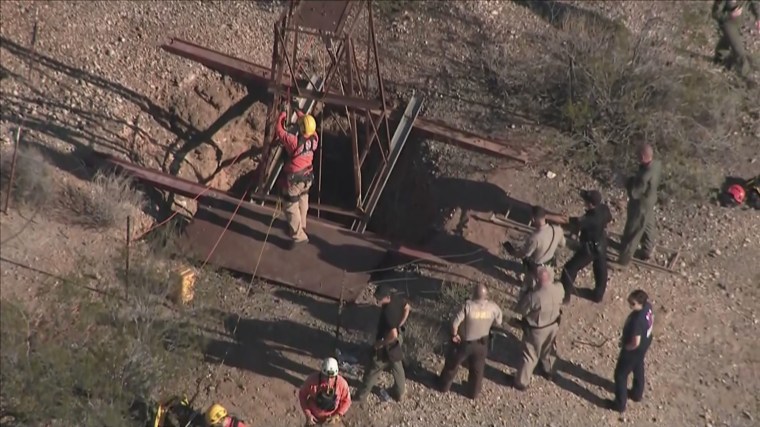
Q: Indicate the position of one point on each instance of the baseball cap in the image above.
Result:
(593, 197)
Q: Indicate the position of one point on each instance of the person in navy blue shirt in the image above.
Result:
(637, 336)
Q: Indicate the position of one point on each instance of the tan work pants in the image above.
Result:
(296, 208)
(538, 345)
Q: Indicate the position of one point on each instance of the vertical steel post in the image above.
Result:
(354, 130)
(379, 76)
(13, 170)
(126, 256)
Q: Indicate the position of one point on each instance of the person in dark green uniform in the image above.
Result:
(642, 196)
(730, 49)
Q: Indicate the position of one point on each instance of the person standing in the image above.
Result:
(476, 317)
(640, 223)
(730, 48)
(324, 396)
(539, 248)
(593, 245)
(636, 339)
(541, 311)
(299, 143)
(388, 352)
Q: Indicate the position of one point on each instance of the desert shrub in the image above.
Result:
(454, 294)
(87, 356)
(423, 338)
(33, 183)
(107, 202)
(607, 90)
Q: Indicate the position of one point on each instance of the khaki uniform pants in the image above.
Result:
(296, 208)
(538, 345)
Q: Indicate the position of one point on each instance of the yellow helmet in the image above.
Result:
(215, 414)
(308, 125)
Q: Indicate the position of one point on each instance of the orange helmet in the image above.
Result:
(737, 193)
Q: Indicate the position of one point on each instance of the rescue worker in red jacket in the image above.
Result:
(325, 397)
(299, 143)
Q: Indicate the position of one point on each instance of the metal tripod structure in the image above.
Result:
(327, 27)
(352, 81)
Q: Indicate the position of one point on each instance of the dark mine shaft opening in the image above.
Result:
(406, 209)
(333, 173)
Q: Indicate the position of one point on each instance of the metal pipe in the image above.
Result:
(126, 256)
(379, 75)
(13, 170)
(354, 130)
(356, 69)
(17, 143)
(371, 138)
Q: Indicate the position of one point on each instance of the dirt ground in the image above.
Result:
(96, 79)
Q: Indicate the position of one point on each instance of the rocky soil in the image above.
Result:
(98, 80)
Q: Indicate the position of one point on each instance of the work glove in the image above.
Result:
(333, 419)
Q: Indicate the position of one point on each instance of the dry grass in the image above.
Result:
(607, 90)
(33, 184)
(106, 202)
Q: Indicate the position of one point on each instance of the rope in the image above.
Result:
(261, 251)
(195, 199)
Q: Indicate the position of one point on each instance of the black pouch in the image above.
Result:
(394, 352)
(530, 266)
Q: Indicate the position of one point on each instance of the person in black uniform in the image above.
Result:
(637, 336)
(593, 245)
(388, 348)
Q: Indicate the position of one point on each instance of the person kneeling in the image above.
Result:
(325, 397)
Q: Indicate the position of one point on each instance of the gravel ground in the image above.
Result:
(99, 80)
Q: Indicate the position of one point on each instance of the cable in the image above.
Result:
(261, 251)
(195, 199)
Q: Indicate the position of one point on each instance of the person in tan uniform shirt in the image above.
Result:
(541, 313)
(539, 248)
(476, 318)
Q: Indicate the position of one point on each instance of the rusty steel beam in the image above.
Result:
(440, 131)
(256, 74)
(192, 189)
(334, 98)
(239, 69)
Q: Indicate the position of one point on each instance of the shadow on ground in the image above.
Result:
(557, 12)
(480, 198)
(88, 128)
(269, 348)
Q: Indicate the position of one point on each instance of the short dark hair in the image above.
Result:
(538, 212)
(383, 291)
(639, 297)
(592, 197)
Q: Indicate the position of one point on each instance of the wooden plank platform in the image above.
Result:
(334, 260)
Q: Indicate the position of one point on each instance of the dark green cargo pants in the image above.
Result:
(730, 49)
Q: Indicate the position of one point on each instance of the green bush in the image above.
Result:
(85, 358)
(606, 91)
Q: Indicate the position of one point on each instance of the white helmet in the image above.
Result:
(330, 367)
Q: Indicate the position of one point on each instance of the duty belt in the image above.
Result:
(557, 320)
(481, 340)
